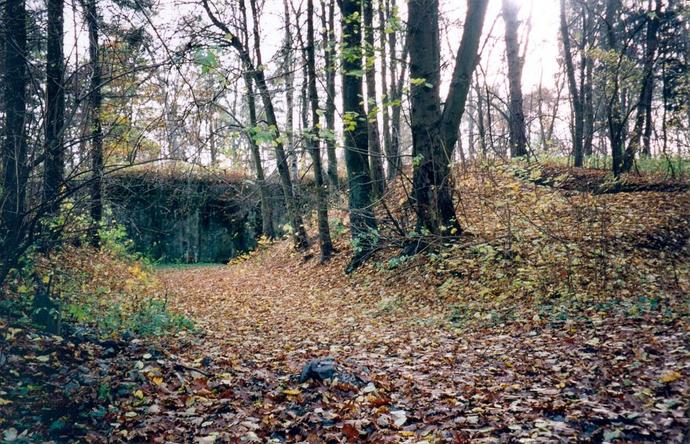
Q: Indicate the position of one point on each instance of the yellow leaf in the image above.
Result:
(407, 433)
(292, 392)
(670, 376)
(5, 401)
(139, 394)
(157, 380)
(12, 332)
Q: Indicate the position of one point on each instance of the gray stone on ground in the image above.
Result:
(318, 370)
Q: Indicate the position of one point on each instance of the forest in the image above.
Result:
(341, 221)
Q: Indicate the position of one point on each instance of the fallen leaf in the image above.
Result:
(670, 376)
(399, 417)
(350, 432)
(292, 392)
(10, 434)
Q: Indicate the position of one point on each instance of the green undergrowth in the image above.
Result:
(110, 290)
(670, 167)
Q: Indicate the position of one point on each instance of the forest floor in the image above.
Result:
(560, 316)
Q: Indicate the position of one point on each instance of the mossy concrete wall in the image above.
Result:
(191, 218)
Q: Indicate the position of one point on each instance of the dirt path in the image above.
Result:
(266, 317)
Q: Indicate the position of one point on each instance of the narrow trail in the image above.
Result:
(266, 317)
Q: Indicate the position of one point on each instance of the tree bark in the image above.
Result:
(480, 117)
(267, 227)
(644, 105)
(266, 210)
(289, 94)
(299, 234)
(396, 86)
(95, 105)
(575, 97)
(385, 97)
(329, 55)
(432, 192)
(362, 221)
(315, 141)
(588, 99)
(14, 146)
(613, 101)
(586, 81)
(435, 132)
(55, 108)
(465, 63)
(518, 142)
(376, 161)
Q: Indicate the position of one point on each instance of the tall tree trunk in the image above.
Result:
(362, 221)
(586, 89)
(471, 150)
(299, 234)
(329, 55)
(396, 86)
(613, 101)
(575, 96)
(385, 97)
(644, 104)
(435, 132)
(14, 146)
(267, 227)
(588, 99)
(304, 104)
(376, 161)
(465, 62)
(289, 93)
(266, 210)
(315, 142)
(480, 117)
(518, 142)
(431, 163)
(55, 108)
(213, 149)
(95, 105)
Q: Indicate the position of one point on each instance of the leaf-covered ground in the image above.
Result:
(557, 317)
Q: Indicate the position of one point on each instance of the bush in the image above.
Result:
(109, 289)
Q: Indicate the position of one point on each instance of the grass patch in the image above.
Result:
(185, 266)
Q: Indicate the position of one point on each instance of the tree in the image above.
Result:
(385, 93)
(575, 95)
(376, 161)
(612, 87)
(289, 92)
(396, 89)
(329, 57)
(55, 107)
(266, 209)
(299, 233)
(96, 130)
(314, 142)
(642, 129)
(435, 130)
(362, 221)
(518, 142)
(14, 146)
